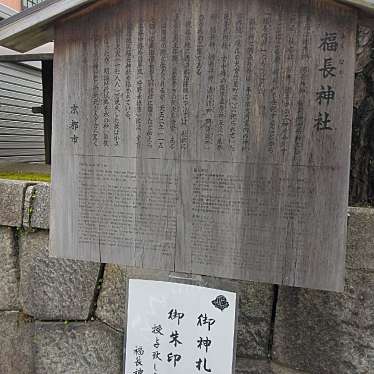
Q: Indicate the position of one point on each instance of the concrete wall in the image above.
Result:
(62, 316)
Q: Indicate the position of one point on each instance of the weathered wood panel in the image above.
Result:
(206, 136)
(21, 134)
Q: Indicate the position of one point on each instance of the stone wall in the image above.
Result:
(63, 316)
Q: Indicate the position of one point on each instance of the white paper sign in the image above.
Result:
(175, 328)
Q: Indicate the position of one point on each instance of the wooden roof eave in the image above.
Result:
(44, 52)
(34, 26)
(367, 6)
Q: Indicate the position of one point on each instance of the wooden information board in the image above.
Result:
(208, 137)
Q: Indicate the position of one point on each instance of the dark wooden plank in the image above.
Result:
(206, 137)
(47, 77)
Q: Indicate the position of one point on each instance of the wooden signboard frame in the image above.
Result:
(205, 137)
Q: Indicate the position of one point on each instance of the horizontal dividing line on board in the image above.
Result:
(212, 161)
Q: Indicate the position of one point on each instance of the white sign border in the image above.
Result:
(178, 278)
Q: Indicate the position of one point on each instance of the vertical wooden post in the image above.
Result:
(47, 79)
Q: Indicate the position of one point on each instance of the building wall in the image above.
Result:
(21, 131)
(14, 4)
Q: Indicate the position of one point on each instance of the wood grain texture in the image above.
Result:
(206, 137)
